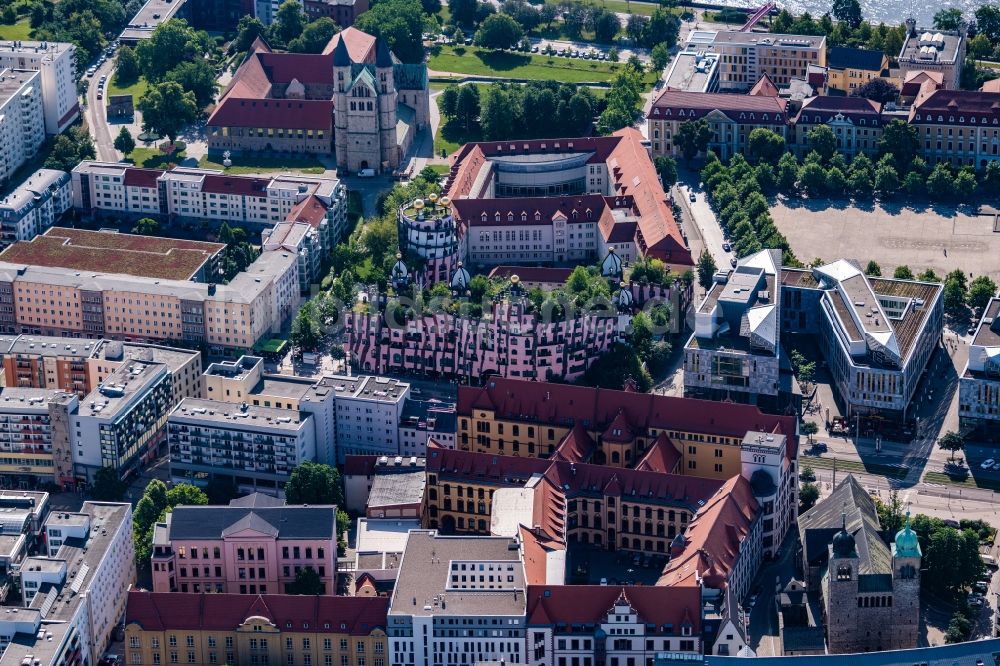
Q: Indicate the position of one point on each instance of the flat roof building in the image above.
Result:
(746, 56)
(694, 71)
(22, 119)
(56, 63)
(930, 50)
(979, 383)
(34, 206)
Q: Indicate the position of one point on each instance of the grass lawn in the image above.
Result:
(484, 62)
(262, 164)
(20, 30)
(137, 90)
(152, 158)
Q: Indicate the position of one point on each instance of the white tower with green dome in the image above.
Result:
(906, 556)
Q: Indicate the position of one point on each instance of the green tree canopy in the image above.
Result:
(765, 145)
(400, 23)
(947, 19)
(307, 581)
(873, 269)
(289, 21)
(198, 77)
(167, 108)
(903, 273)
(706, 269)
(314, 483)
(822, 139)
(315, 36)
(124, 143)
(126, 66)
(146, 226)
(981, 290)
(848, 11)
(899, 139)
(498, 31)
(692, 137)
(108, 486)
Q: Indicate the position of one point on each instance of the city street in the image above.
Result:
(96, 117)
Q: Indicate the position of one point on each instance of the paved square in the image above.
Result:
(937, 237)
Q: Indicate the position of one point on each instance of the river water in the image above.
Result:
(876, 11)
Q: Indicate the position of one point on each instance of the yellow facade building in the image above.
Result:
(848, 69)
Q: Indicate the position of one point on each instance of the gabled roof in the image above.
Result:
(712, 540)
(681, 105)
(284, 522)
(849, 501)
(823, 108)
(576, 209)
(764, 87)
(164, 611)
(661, 457)
(251, 522)
(310, 210)
(359, 45)
(314, 114)
(568, 607)
(842, 57)
(576, 446)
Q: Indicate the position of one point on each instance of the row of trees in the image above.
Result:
(623, 101)
(505, 111)
(737, 193)
(86, 23)
(959, 293)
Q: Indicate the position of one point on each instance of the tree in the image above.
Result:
(70, 148)
(196, 77)
(940, 184)
(221, 489)
(929, 276)
(886, 179)
(124, 143)
(663, 27)
(605, 25)
(463, 11)
(315, 36)
(980, 47)
(449, 100)
(836, 182)
(547, 14)
(314, 483)
(947, 19)
(952, 558)
(914, 183)
(965, 184)
(878, 90)
(186, 494)
(498, 31)
(952, 441)
(126, 67)
(108, 486)
(788, 172)
(692, 137)
(247, 31)
(988, 21)
(899, 139)
(146, 226)
(954, 296)
(635, 26)
(659, 57)
(289, 21)
(981, 290)
(813, 178)
(809, 428)
(167, 108)
(848, 11)
(903, 273)
(400, 23)
(765, 145)
(808, 496)
(822, 140)
(169, 44)
(574, 20)
(494, 114)
(307, 581)
(613, 54)
(467, 106)
(873, 269)
(890, 514)
(622, 101)
(666, 168)
(861, 175)
(305, 332)
(706, 269)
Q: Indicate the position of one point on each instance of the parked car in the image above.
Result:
(534, 49)
(726, 247)
(982, 586)
(733, 262)
(820, 446)
(692, 196)
(986, 464)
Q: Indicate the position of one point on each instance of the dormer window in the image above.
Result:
(524, 217)
(484, 217)
(538, 216)
(510, 217)
(498, 217)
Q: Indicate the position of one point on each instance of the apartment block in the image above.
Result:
(979, 384)
(849, 69)
(173, 627)
(34, 206)
(22, 119)
(75, 595)
(120, 424)
(256, 545)
(744, 57)
(56, 63)
(476, 583)
(20, 533)
(208, 194)
(877, 334)
(84, 301)
(255, 447)
(301, 239)
(80, 365)
(423, 420)
(35, 436)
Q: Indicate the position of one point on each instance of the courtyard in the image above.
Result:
(939, 237)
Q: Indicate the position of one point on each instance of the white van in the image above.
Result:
(366, 173)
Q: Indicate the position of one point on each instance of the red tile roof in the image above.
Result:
(661, 457)
(992, 86)
(764, 87)
(755, 109)
(565, 404)
(634, 175)
(576, 446)
(360, 45)
(310, 210)
(164, 611)
(302, 67)
(242, 185)
(314, 114)
(713, 538)
(956, 107)
(669, 609)
(535, 547)
(136, 177)
(587, 208)
(822, 109)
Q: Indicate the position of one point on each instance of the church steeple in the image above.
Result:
(341, 58)
(383, 58)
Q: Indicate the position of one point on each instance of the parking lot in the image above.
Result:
(940, 238)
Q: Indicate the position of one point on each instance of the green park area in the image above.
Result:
(507, 65)
(263, 164)
(19, 30)
(136, 89)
